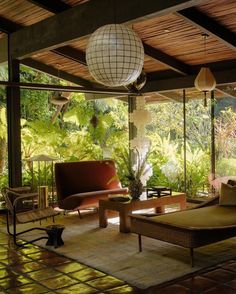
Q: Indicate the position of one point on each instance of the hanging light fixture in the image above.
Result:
(115, 55)
(205, 80)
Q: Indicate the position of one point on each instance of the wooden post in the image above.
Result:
(13, 125)
(184, 134)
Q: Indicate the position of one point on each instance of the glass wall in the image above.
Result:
(198, 148)
(166, 135)
(3, 120)
(225, 138)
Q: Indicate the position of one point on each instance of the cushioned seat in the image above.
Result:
(82, 184)
(190, 228)
(195, 219)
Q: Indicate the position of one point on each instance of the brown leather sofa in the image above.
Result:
(81, 184)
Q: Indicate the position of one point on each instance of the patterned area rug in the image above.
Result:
(117, 253)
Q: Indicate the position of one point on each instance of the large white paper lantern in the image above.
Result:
(115, 55)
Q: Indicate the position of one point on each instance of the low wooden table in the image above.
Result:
(126, 208)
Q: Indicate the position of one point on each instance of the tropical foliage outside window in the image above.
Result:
(86, 130)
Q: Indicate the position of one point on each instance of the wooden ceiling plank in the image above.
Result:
(209, 25)
(172, 62)
(84, 19)
(54, 72)
(55, 6)
(227, 90)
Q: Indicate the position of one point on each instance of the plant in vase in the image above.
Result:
(134, 172)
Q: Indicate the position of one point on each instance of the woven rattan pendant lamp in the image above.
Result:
(115, 55)
(205, 80)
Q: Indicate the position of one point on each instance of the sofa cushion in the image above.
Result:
(202, 218)
(227, 195)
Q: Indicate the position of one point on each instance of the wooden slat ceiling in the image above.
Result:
(181, 40)
(223, 11)
(63, 64)
(22, 12)
(172, 34)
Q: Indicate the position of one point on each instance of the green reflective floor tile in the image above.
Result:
(126, 289)
(70, 267)
(42, 255)
(59, 282)
(78, 289)
(30, 250)
(106, 282)
(43, 274)
(28, 289)
(29, 267)
(6, 272)
(14, 281)
(86, 274)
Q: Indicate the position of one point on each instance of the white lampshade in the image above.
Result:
(205, 80)
(140, 117)
(115, 55)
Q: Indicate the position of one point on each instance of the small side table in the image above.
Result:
(54, 235)
(126, 208)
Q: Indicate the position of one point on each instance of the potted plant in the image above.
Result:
(134, 172)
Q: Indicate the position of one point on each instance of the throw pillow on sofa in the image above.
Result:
(227, 195)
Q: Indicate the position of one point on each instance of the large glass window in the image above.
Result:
(166, 135)
(198, 148)
(225, 130)
(3, 119)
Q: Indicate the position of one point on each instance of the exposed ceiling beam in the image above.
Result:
(79, 56)
(68, 52)
(55, 6)
(71, 53)
(61, 88)
(172, 62)
(54, 72)
(209, 25)
(8, 26)
(171, 96)
(82, 20)
(175, 83)
(228, 90)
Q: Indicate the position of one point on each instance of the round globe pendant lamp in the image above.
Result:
(115, 55)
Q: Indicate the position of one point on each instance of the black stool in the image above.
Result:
(54, 235)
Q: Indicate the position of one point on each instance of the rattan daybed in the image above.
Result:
(190, 228)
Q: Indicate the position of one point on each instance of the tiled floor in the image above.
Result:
(36, 270)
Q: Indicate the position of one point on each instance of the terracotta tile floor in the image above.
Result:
(36, 270)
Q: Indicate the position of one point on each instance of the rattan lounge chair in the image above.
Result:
(22, 207)
(189, 228)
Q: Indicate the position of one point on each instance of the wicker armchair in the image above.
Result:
(22, 207)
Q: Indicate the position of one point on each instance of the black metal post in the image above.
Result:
(13, 124)
(213, 153)
(184, 135)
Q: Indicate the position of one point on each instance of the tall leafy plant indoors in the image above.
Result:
(134, 171)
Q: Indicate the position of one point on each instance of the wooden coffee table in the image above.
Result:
(126, 208)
